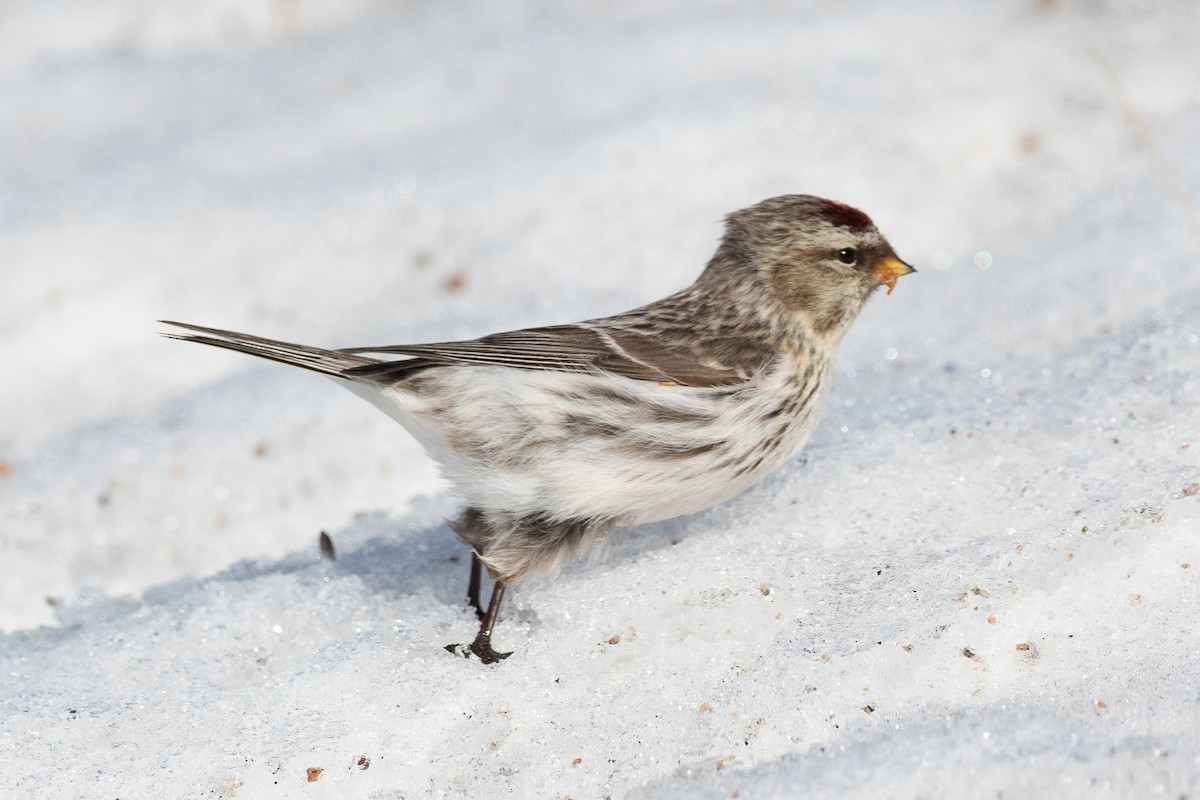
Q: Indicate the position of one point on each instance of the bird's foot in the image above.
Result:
(481, 648)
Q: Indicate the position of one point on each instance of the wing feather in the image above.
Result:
(583, 347)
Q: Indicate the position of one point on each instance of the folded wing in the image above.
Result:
(583, 347)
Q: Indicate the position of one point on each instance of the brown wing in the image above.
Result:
(584, 347)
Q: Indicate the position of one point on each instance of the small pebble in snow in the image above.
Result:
(1030, 142)
(314, 773)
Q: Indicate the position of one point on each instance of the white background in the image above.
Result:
(982, 576)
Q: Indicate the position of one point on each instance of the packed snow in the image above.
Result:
(980, 579)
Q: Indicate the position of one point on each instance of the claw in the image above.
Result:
(480, 648)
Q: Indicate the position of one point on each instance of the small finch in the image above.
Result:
(554, 436)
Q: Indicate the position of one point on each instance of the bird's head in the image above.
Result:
(815, 258)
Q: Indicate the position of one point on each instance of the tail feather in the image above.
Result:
(333, 363)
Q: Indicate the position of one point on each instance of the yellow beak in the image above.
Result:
(889, 269)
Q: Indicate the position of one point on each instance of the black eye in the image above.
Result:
(847, 255)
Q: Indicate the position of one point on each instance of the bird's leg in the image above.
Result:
(473, 584)
(482, 646)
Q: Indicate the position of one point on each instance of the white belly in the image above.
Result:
(525, 443)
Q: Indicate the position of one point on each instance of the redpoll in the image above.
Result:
(556, 435)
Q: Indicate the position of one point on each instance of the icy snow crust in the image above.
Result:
(981, 578)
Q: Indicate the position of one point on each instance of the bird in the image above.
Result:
(556, 436)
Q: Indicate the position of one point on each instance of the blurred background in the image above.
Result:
(979, 579)
(368, 172)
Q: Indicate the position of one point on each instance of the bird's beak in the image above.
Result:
(889, 269)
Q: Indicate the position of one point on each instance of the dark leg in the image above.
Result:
(482, 646)
(473, 584)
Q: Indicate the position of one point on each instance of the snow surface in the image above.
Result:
(981, 579)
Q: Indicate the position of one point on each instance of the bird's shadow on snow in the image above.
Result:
(397, 556)
(393, 556)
